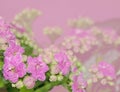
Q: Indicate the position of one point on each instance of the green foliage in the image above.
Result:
(28, 49)
(1, 82)
(11, 89)
(24, 89)
(1, 55)
(1, 65)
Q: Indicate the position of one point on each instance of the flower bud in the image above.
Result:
(29, 82)
(53, 78)
(19, 84)
(60, 77)
(103, 81)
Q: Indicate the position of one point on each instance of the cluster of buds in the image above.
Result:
(52, 32)
(21, 73)
(26, 18)
(23, 67)
(81, 42)
(81, 23)
(22, 28)
(107, 36)
(84, 40)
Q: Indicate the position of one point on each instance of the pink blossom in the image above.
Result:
(5, 32)
(64, 63)
(18, 28)
(13, 50)
(79, 84)
(106, 69)
(13, 70)
(37, 68)
(29, 82)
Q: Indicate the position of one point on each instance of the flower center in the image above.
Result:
(12, 69)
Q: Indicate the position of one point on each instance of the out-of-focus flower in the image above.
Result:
(81, 22)
(79, 84)
(18, 28)
(104, 72)
(106, 69)
(37, 68)
(13, 70)
(54, 69)
(5, 32)
(64, 63)
(53, 32)
(29, 82)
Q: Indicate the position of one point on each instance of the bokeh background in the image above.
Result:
(105, 13)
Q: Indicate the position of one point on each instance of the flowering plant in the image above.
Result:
(26, 67)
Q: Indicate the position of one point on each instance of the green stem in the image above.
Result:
(47, 87)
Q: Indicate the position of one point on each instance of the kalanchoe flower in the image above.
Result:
(64, 63)
(103, 72)
(79, 84)
(106, 69)
(37, 68)
(13, 70)
(29, 82)
(13, 50)
(5, 32)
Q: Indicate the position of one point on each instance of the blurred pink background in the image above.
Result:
(57, 12)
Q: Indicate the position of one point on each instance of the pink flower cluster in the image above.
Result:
(103, 72)
(13, 68)
(36, 67)
(106, 69)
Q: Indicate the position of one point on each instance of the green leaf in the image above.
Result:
(1, 65)
(24, 89)
(11, 89)
(28, 49)
(1, 83)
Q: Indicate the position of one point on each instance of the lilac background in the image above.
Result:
(57, 12)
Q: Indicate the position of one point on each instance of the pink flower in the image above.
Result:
(63, 62)
(5, 32)
(106, 69)
(13, 50)
(29, 82)
(79, 84)
(13, 70)
(18, 27)
(37, 68)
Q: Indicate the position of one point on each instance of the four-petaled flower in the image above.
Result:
(64, 63)
(37, 68)
(13, 70)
